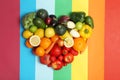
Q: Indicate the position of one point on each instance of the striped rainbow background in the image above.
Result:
(100, 60)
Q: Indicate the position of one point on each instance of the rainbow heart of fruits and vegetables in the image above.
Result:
(57, 40)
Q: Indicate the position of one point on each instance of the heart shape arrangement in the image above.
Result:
(57, 40)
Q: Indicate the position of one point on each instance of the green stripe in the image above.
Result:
(63, 7)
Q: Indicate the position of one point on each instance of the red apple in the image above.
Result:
(45, 59)
(56, 65)
(68, 58)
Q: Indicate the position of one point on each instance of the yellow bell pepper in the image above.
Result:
(86, 31)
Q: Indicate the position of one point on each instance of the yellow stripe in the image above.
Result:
(80, 63)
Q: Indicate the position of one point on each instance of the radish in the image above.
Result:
(70, 24)
(74, 33)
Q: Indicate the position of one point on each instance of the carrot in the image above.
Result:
(50, 47)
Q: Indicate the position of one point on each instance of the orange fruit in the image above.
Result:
(45, 43)
(79, 44)
(39, 51)
(54, 38)
(28, 44)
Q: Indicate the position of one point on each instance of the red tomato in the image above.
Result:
(56, 51)
(52, 58)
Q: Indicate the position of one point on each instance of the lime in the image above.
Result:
(68, 42)
(49, 32)
(78, 25)
(34, 40)
(33, 29)
(40, 32)
(27, 34)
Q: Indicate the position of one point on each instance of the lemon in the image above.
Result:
(40, 32)
(65, 35)
(68, 42)
(49, 32)
(34, 40)
(27, 34)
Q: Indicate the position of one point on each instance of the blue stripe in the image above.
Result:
(27, 59)
(42, 71)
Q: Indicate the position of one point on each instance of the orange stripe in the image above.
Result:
(96, 43)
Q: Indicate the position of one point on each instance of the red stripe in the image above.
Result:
(112, 40)
(9, 39)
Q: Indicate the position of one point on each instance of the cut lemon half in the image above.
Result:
(68, 42)
(35, 40)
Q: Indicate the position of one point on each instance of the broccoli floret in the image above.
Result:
(27, 20)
